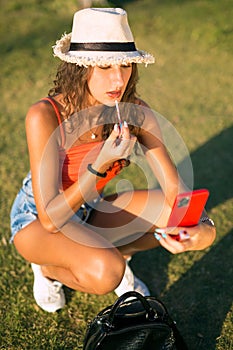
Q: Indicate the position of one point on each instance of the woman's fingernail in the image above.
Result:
(160, 230)
(116, 127)
(183, 232)
(183, 235)
(164, 235)
(157, 236)
(125, 124)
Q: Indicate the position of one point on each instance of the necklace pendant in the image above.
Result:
(93, 136)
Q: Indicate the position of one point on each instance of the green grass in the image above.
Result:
(191, 85)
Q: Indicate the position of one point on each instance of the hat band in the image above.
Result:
(126, 46)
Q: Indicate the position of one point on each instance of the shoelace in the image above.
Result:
(54, 290)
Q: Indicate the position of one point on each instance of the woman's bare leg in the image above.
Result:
(82, 257)
(136, 215)
(81, 267)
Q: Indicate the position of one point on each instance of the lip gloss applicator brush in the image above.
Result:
(118, 114)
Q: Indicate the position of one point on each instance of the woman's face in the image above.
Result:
(107, 84)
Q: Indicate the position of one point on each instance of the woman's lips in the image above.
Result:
(114, 94)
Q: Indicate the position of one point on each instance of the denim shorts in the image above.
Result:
(24, 211)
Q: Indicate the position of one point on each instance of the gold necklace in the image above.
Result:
(94, 133)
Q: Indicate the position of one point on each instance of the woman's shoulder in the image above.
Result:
(41, 114)
(45, 108)
(141, 102)
(147, 111)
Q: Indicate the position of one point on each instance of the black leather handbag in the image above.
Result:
(134, 322)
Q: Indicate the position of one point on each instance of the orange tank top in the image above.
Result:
(74, 161)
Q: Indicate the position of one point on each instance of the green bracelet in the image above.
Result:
(93, 171)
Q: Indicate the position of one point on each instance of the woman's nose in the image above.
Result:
(118, 76)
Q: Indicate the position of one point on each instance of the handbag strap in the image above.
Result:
(151, 313)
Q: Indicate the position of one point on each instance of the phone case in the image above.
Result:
(188, 208)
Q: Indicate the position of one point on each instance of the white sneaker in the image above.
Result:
(48, 294)
(130, 282)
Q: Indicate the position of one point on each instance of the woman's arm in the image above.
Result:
(161, 163)
(203, 234)
(43, 137)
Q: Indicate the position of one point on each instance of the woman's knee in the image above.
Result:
(103, 274)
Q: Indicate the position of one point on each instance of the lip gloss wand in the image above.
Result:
(118, 114)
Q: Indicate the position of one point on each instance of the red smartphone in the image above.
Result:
(187, 208)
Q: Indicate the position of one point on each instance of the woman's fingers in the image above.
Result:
(120, 131)
(125, 133)
(119, 145)
(115, 133)
(174, 239)
(121, 139)
(174, 246)
(189, 238)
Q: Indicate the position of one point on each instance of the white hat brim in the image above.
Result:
(93, 58)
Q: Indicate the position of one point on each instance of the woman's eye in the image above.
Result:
(104, 67)
(126, 65)
(109, 66)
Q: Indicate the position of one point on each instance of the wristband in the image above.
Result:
(207, 220)
(93, 171)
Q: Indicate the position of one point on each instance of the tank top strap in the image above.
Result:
(56, 110)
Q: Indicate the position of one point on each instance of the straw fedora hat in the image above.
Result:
(100, 36)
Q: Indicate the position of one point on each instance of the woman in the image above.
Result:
(79, 138)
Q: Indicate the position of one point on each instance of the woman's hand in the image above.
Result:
(197, 237)
(119, 145)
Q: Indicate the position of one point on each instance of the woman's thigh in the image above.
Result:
(130, 214)
(74, 247)
(90, 265)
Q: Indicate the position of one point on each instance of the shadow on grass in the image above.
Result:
(213, 167)
(200, 300)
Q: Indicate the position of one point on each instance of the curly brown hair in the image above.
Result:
(72, 82)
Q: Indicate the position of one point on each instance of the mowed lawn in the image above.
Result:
(191, 87)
